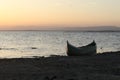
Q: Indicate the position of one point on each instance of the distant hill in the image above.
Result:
(97, 28)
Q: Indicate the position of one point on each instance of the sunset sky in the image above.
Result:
(36, 14)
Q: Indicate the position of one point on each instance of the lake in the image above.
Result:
(16, 44)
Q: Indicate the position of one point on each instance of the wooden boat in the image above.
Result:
(89, 49)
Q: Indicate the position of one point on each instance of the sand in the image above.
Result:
(97, 67)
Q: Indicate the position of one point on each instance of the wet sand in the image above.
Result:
(98, 67)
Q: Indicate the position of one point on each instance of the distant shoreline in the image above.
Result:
(69, 30)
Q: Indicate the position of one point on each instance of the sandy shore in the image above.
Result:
(98, 67)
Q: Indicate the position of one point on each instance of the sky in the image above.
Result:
(37, 14)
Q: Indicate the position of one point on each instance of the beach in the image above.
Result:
(97, 67)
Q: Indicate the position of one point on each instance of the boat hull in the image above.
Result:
(89, 49)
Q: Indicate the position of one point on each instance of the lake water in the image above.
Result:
(15, 44)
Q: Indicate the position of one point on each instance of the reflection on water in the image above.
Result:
(45, 43)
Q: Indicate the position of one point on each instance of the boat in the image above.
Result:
(89, 49)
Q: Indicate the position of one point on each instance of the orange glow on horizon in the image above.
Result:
(58, 12)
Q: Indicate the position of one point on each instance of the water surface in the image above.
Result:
(14, 44)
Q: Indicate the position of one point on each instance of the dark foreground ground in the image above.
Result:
(98, 67)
